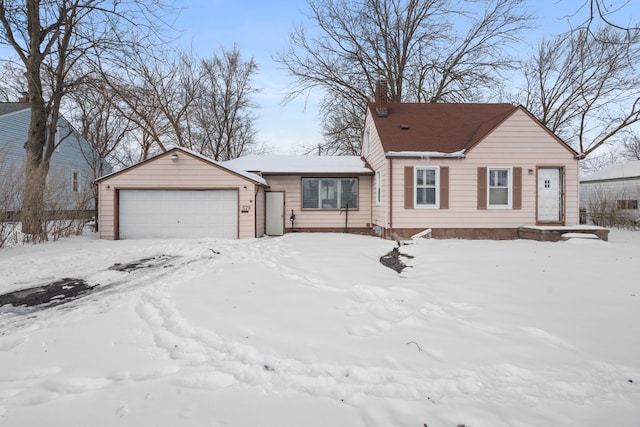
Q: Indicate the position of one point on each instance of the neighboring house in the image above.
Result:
(612, 194)
(466, 170)
(461, 170)
(71, 173)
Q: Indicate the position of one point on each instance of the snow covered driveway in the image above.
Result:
(311, 330)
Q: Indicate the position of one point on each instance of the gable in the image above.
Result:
(156, 168)
(521, 136)
(445, 128)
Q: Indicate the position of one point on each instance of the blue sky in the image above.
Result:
(261, 28)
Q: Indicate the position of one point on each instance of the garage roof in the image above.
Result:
(276, 164)
(620, 171)
(248, 175)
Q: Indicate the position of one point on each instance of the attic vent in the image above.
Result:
(404, 127)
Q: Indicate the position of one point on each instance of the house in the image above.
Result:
(611, 195)
(71, 171)
(466, 170)
(461, 170)
(181, 193)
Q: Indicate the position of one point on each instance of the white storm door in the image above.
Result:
(178, 214)
(275, 213)
(550, 203)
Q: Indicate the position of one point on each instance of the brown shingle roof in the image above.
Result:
(440, 127)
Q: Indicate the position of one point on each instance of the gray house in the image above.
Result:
(611, 196)
(72, 165)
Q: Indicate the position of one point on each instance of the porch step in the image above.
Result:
(553, 233)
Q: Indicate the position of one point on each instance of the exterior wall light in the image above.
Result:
(174, 157)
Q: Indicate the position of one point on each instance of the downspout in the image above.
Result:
(346, 216)
(390, 173)
(255, 210)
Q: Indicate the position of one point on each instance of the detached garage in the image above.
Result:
(180, 194)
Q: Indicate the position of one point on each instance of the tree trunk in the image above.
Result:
(33, 206)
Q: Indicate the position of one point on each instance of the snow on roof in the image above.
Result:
(617, 171)
(299, 164)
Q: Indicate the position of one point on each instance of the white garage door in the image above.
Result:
(178, 213)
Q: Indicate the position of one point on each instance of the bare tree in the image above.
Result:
(51, 39)
(154, 90)
(222, 122)
(413, 44)
(584, 88)
(605, 13)
(178, 99)
(101, 124)
(631, 147)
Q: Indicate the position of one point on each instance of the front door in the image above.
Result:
(275, 213)
(550, 195)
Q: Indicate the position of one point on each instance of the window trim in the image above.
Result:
(338, 179)
(378, 187)
(509, 204)
(75, 180)
(436, 204)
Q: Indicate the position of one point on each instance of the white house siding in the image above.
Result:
(187, 173)
(593, 194)
(375, 157)
(321, 219)
(517, 142)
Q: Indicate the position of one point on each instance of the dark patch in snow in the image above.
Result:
(392, 260)
(58, 292)
(155, 261)
(68, 289)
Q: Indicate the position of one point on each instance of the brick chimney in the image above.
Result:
(24, 98)
(382, 99)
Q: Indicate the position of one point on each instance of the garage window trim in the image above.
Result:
(329, 193)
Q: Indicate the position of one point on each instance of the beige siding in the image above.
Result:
(321, 219)
(518, 142)
(188, 172)
(378, 162)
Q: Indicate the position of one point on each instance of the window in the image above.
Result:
(426, 187)
(378, 187)
(499, 187)
(329, 193)
(627, 204)
(75, 181)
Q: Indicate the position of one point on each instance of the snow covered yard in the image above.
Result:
(311, 330)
